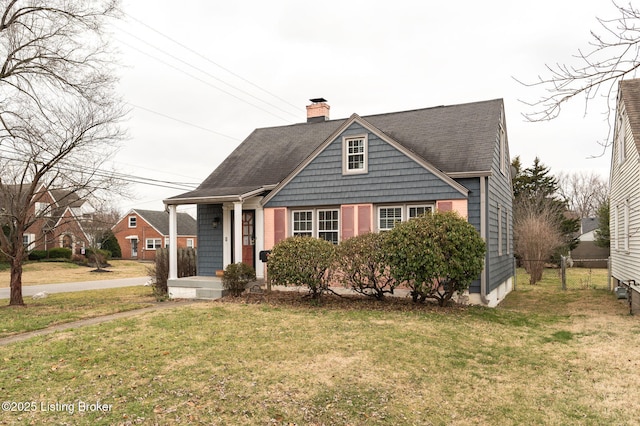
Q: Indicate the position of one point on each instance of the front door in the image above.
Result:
(134, 248)
(248, 237)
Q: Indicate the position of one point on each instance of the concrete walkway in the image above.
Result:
(93, 321)
(30, 290)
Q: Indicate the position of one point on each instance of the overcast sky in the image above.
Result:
(199, 76)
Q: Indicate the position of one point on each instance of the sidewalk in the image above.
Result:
(30, 290)
(93, 321)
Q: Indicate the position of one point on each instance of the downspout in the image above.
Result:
(483, 234)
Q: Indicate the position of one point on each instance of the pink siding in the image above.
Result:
(458, 206)
(275, 226)
(365, 218)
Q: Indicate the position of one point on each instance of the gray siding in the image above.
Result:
(392, 178)
(209, 240)
(500, 265)
(473, 205)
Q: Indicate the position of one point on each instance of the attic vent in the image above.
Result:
(318, 111)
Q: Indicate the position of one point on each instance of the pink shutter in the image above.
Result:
(445, 206)
(364, 219)
(348, 218)
(279, 225)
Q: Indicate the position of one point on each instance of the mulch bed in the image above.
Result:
(301, 300)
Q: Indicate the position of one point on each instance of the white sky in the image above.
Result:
(242, 65)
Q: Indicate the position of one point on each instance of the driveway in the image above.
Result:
(30, 290)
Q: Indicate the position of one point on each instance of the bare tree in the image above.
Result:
(584, 192)
(612, 54)
(59, 116)
(537, 234)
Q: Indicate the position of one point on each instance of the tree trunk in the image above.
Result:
(16, 282)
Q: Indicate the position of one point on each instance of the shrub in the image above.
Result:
(37, 254)
(109, 242)
(236, 277)
(436, 255)
(98, 257)
(159, 272)
(60, 253)
(363, 266)
(302, 261)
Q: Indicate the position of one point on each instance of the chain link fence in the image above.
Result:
(578, 274)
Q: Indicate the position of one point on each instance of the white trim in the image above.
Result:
(431, 206)
(315, 221)
(135, 220)
(155, 247)
(131, 237)
(402, 215)
(345, 154)
(499, 230)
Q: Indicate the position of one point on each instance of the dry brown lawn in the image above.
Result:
(35, 273)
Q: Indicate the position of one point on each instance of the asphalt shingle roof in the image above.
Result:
(160, 220)
(457, 138)
(630, 92)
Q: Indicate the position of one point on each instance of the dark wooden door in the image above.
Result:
(248, 237)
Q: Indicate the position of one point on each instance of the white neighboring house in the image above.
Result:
(625, 188)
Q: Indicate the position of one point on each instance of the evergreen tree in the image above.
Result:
(603, 233)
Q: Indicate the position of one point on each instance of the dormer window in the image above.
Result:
(354, 154)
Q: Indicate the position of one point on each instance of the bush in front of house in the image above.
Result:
(37, 254)
(60, 253)
(159, 272)
(236, 277)
(302, 261)
(98, 257)
(110, 242)
(362, 265)
(436, 255)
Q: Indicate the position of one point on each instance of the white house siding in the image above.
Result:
(625, 189)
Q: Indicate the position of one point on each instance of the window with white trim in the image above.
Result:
(626, 226)
(166, 242)
(620, 136)
(388, 217)
(500, 230)
(503, 149)
(616, 226)
(42, 209)
(328, 225)
(415, 211)
(189, 242)
(133, 221)
(153, 243)
(303, 223)
(354, 155)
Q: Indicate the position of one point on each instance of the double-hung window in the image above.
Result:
(153, 243)
(303, 223)
(415, 211)
(328, 225)
(354, 155)
(320, 223)
(388, 217)
(133, 220)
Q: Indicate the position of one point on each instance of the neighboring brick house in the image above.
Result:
(334, 179)
(58, 221)
(141, 232)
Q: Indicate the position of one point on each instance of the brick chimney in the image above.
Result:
(318, 111)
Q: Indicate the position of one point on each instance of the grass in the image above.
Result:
(35, 273)
(543, 357)
(67, 307)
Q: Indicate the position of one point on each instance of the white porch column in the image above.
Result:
(259, 241)
(226, 231)
(237, 231)
(173, 242)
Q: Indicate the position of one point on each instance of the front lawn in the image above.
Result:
(543, 357)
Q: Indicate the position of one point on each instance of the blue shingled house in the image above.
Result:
(334, 179)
